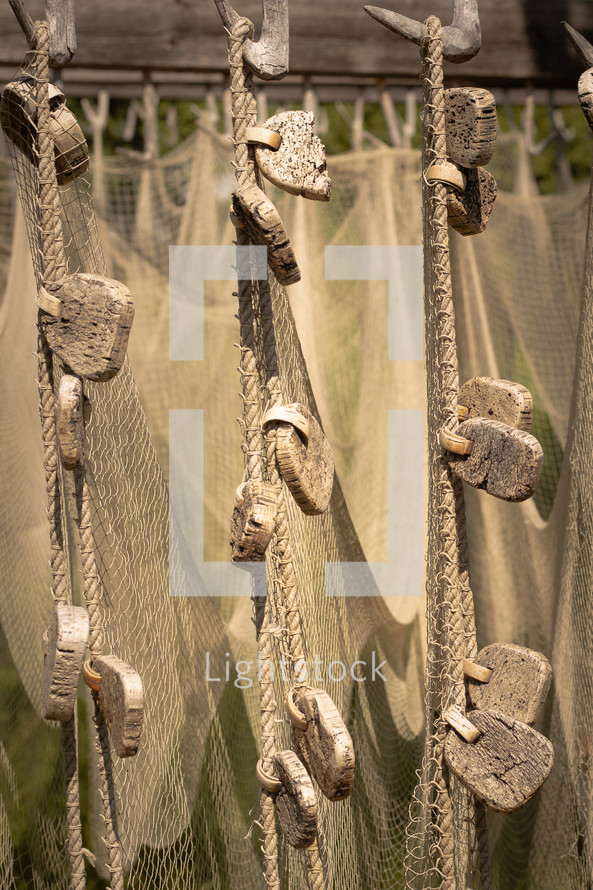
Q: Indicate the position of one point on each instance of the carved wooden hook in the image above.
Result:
(581, 44)
(461, 39)
(62, 30)
(268, 56)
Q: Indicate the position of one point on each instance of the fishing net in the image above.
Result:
(187, 803)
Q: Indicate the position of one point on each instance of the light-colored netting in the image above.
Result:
(188, 800)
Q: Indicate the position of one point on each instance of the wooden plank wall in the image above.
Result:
(523, 41)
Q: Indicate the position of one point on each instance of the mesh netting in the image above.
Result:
(187, 801)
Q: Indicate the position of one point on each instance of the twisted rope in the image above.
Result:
(315, 877)
(477, 810)
(92, 598)
(281, 548)
(244, 115)
(108, 799)
(53, 270)
(258, 343)
(47, 412)
(449, 596)
(70, 748)
(442, 558)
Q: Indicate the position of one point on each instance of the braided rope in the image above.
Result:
(244, 116)
(449, 590)
(70, 748)
(54, 268)
(47, 413)
(90, 572)
(281, 549)
(281, 546)
(477, 810)
(92, 598)
(442, 561)
(314, 865)
(108, 799)
(260, 344)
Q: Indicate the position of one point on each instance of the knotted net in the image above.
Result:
(186, 802)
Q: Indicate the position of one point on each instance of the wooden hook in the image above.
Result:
(581, 44)
(62, 29)
(461, 39)
(268, 56)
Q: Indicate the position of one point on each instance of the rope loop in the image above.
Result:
(243, 29)
(297, 718)
(91, 677)
(268, 781)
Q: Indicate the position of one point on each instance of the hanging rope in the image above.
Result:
(477, 810)
(53, 270)
(244, 116)
(92, 598)
(286, 598)
(259, 360)
(449, 597)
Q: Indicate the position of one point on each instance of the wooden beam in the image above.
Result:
(522, 42)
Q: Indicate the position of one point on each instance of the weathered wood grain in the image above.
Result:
(62, 29)
(461, 40)
(71, 437)
(299, 165)
(253, 521)
(501, 400)
(67, 638)
(505, 462)
(519, 683)
(262, 220)
(307, 467)
(522, 42)
(296, 802)
(468, 212)
(471, 122)
(121, 699)
(505, 766)
(585, 91)
(268, 56)
(91, 334)
(326, 746)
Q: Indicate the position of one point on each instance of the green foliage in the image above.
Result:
(545, 163)
(30, 773)
(337, 135)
